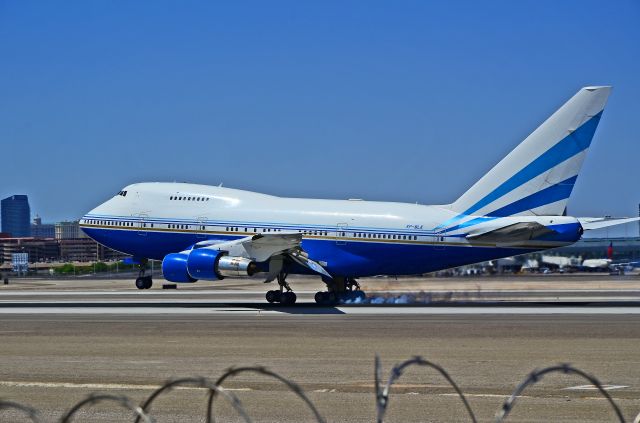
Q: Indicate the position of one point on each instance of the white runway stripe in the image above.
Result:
(70, 385)
(295, 311)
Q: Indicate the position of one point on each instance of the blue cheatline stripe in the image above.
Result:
(568, 147)
(557, 192)
(468, 223)
(285, 226)
(574, 143)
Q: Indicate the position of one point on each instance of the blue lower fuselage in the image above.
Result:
(346, 258)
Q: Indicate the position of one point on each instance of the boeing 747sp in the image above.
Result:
(209, 233)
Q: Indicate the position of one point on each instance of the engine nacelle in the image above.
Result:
(209, 264)
(174, 268)
(235, 266)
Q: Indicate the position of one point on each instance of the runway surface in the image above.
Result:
(60, 342)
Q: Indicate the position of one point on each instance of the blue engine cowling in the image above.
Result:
(174, 268)
(203, 264)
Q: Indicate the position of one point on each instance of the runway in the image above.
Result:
(52, 361)
(61, 341)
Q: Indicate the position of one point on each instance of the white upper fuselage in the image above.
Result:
(354, 237)
(183, 201)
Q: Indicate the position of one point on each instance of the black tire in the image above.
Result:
(320, 297)
(140, 283)
(289, 298)
(272, 296)
(148, 282)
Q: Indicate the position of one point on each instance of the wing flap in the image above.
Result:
(516, 232)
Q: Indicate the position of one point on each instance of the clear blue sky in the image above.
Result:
(405, 101)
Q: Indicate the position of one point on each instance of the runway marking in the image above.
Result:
(135, 292)
(593, 387)
(71, 385)
(157, 309)
(503, 396)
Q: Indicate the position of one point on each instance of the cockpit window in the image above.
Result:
(123, 193)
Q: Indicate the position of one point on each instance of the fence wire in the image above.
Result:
(142, 412)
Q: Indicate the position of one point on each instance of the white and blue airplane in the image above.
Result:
(208, 233)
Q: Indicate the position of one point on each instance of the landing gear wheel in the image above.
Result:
(273, 296)
(141, 283)
(288, 298)
(284, 295)
(144, 282)
(326, 298)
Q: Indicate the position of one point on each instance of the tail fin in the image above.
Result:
(538, 176)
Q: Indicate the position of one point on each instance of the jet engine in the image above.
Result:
(205, 264)
(174, 268)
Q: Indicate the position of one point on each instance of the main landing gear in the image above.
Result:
(143, 282)
(284, 295)
(340, 290)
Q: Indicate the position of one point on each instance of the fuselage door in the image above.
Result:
(439, 242)
(341, 233)
(201, 227)
(142, 223)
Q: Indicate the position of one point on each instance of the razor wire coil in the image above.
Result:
(142, 412)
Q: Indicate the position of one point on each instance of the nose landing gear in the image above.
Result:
(142, 281)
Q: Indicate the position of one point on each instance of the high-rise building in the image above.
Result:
(42, 230)
(16, 216)
(69, 230)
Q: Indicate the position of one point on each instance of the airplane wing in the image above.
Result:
(262, 247)
(258, 247)
(590, 223)
(516, 232)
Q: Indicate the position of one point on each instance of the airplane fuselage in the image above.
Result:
(348, 237)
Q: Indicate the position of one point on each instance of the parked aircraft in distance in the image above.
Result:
(210, 233)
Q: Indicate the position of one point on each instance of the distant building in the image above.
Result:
(86, 249)
(68, 230)
(78, 249)
(38, 249)
(16, 216)
(42, 230)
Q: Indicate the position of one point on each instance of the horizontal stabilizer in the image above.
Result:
(590, 223)
(517, 232)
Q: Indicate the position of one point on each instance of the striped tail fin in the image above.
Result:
(538, 176)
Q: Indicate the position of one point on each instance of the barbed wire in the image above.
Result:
(199, 382)
(234, 371)
(535, 377)
(382, 393)
(29, 411)
(121, 400)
